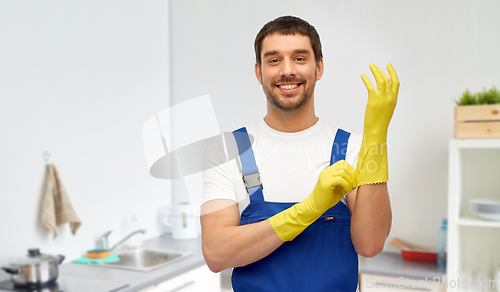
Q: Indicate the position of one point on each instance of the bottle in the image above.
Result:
(442, 243)
(136, 240)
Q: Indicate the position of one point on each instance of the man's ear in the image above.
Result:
(319, 69)
(258, 73)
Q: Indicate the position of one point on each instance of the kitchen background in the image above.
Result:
(79, 79)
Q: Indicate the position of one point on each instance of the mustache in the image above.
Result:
(289, 80)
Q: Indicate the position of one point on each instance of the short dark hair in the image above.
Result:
(288, 25)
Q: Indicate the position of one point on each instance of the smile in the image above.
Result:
(289, 88)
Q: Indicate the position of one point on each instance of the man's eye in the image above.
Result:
(300, 59)
(273, 61)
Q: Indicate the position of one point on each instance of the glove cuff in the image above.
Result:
(291, 222)
(372, 166)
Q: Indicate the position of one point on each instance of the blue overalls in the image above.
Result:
(321, 258)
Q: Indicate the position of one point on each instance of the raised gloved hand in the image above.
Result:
(372, 161)
(333, 183)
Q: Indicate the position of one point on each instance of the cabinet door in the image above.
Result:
(199, 279)
(377, 283)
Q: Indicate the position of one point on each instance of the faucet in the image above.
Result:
(102, 242)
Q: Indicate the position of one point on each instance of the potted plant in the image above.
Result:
(477, 115)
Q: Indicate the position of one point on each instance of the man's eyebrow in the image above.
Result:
(303, 51)
(270, 53)
(274, 52)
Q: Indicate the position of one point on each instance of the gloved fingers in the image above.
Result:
(342, 165)
(346, 176)
(378, 77)
(367, 83)
(394, 78)
(386, 78)
(344, 184)
(343, 169)
(352, 173)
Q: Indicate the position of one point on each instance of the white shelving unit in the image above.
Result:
(471, 240)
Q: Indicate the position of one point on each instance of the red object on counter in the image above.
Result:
(420, 256)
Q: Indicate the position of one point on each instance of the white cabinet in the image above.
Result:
(196, 280)
(473, 243)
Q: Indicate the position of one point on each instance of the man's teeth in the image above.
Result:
(288, 86)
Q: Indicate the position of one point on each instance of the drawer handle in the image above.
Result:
(182, 286)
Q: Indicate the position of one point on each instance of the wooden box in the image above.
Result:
(477, 121)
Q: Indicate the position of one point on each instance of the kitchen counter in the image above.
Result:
(386, 263)
(137, 280)
(105, 279)
(392, 264)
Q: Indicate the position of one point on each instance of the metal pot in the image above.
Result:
(35, 269)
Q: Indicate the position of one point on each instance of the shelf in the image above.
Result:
(470, 221)
(472, 172)
(474, 143)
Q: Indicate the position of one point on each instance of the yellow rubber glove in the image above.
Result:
(372, 161)
(333, 183)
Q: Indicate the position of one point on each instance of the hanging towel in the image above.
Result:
(57, 208)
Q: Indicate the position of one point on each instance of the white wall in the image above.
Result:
(438, 48)
(78, 79)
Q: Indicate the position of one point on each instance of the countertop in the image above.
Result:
(137, 280)
(392, 264)
(129, 280)
(386, 263)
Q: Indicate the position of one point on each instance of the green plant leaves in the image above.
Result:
(491, 96)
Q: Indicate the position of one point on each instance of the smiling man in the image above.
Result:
(292, 212)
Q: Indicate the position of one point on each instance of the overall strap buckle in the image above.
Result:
(252, 181)
(250, 172)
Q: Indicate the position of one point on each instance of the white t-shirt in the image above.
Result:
(289, 163)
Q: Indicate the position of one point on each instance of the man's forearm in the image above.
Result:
(226, 244)
(371, 219)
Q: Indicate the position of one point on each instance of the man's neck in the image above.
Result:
(290, 122)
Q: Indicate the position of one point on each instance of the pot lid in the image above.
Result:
(33, 257)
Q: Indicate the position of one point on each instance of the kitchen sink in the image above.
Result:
(142, 259)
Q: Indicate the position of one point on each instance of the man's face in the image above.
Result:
(289, 71)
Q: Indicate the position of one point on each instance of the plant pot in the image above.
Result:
(477, 121)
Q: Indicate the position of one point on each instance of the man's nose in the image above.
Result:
(287, 68)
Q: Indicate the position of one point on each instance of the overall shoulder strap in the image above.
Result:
(339, 148)
(251, 175)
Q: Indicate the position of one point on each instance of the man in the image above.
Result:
(288, 224)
